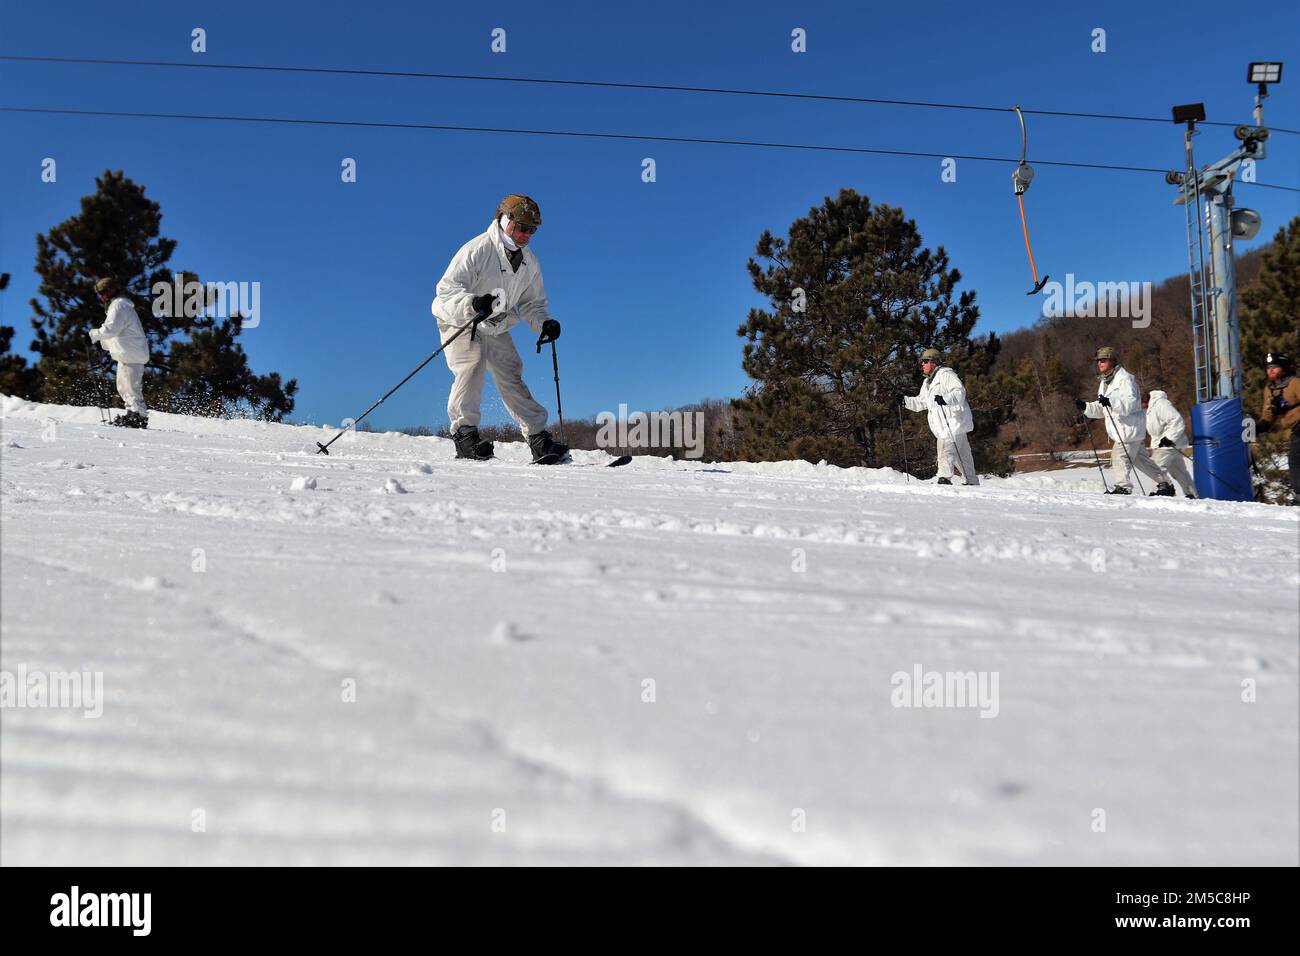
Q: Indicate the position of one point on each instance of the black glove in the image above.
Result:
(1277, 404)
(900, 400)
(1103, 400)
(1165, 443)
(1080, 404)
(550, 332)
(483, 304)
(938, 400)
(1262, 426)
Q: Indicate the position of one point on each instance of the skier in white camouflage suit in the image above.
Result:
(497, 274)
(122, 336)
(943, 399)
(1119, 403)
(1168, 435)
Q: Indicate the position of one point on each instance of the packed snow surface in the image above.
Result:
(389, 656)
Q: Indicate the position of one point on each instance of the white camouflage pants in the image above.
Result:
(469, 360)
(1142, 461)
(1174, 462)
(956, 454)
(130, 385)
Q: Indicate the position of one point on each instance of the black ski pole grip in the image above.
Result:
(473, 327)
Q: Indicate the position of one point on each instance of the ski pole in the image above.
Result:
(1124, 446)
(902, 433)
(91, 367)
(473, 327)
(1095, 457)
(559, 409)
(943, 413)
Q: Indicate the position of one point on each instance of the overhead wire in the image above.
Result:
(588, 134)
(603, 84)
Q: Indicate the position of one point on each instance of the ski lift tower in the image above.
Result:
(1219, 452)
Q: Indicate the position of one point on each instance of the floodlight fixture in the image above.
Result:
(1190, 113)
(1264, 72)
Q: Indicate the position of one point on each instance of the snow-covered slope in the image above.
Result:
(498, 624)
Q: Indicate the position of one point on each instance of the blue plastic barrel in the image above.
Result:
(1221, 458)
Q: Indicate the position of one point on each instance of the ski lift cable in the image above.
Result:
(603, 84)
(588, 134)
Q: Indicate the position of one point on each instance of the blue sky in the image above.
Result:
(648, 279)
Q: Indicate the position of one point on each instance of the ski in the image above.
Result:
(616, 463)
(556, 460)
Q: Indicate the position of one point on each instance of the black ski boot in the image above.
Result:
(545, 450)
(1162, 490)
(469, 445)
(1120, 490)
(131, 420)
(944, 481)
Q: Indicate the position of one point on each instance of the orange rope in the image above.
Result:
(1020, 199)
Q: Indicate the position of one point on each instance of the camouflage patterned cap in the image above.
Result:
(105, 284)
(1106, 352)
(522, 209)
(930, 355)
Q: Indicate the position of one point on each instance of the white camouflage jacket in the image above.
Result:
(480, 267)
(946, 383)
(1126, 421)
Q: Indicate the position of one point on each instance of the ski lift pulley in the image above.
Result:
(1021, 177)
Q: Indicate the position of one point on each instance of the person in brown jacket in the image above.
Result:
(1281, 411)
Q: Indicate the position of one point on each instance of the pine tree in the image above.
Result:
(854, 297)
(209, 375)
(195, 366)
(16, 376)
(116, 234)
(1270, 313)
(1270, 322)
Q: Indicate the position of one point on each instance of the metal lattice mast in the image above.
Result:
(1202, 346)
(1212, 224)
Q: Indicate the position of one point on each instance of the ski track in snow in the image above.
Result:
(499, 619)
